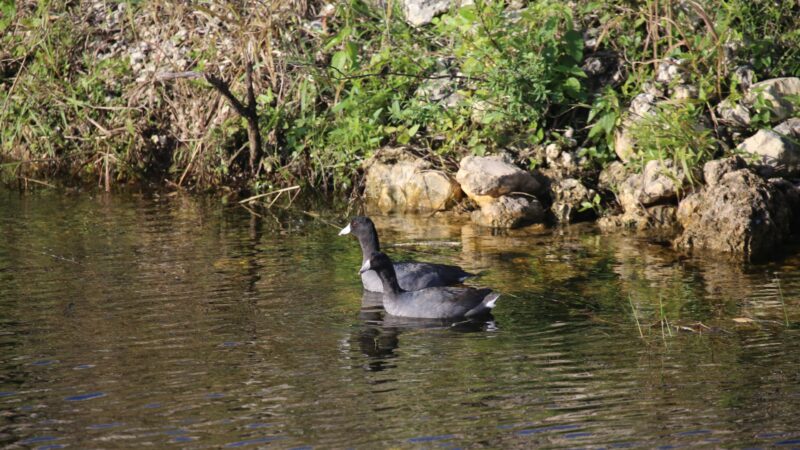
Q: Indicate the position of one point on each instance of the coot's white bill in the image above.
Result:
(345, 230)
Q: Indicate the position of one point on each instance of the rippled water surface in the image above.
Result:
(128, 322)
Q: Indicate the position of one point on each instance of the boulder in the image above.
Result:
(509, 212)
(791, 194)
(740, 213)
(778, 154)
(568, 197)
(776, 91)
(484, 178)
(713, 171)
(659, 182)
(398, 181)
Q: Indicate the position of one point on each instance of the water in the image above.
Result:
(172, 322)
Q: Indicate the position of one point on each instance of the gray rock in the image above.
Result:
(659, 182)
(421, 12)
(612, 176)
(778, 154)
(731, 114)
(714, 170)
(684, 92)
(568, 197)
(657, 221)
(443, 88)
(642, 105)
(653, 89)
(776, 91)
(478, 111)
(624, 142)
(791, 194)
(398, 181)
(509, 212)
(744, 75)
(790, 128)
(670, 70)
(741, 214)
(486, 177)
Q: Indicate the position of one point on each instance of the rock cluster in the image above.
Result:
(742, 206)
(504, 193)
(397, 181)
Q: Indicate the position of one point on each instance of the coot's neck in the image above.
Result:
(369, 243)
(389, 280)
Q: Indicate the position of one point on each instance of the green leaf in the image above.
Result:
(468, 13)
(572, 87)
(574, 45)
(340, 61)
(413, 130)
(352, 53)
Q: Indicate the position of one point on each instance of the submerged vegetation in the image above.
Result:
(84, 96)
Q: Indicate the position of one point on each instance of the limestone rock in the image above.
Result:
(642, 105)
(733, 114)
(486, 177)
(789, 128)
(612, 176)
(684, 92)
(776, 91)
(396, 181)
(670, 70)
(744, 75)
(714, 170)
(623, 143)
(568, 197)
(509, 212)
(657, 221)
(421, 12)
(777, 153)
(741, 214)
(659, 182)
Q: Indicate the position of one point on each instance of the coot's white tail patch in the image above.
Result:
(490, 300)
(345, 230)
(485, 307)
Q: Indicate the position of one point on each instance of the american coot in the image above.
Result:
(411, 275)
(428, 303)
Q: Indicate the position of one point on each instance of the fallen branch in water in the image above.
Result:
(266, 194)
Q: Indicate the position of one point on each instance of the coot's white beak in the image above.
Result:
(364, 267)
(345, 230)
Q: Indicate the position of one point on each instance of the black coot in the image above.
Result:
(411, 275)
(428, 303)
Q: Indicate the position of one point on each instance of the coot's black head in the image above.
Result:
(377, 261)
(359, 226)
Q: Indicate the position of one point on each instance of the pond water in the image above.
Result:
(171, 322)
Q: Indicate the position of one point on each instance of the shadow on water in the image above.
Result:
(153, 321)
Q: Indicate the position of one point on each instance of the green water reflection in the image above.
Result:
(128, 321)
